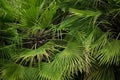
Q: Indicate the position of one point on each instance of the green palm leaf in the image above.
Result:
(70, 60)
(102, 73)
(12, 72)
(30, 57)
(109, 54)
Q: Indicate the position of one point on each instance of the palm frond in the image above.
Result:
(44, 19)
(109, 54)
(70, 60)
(12, 72)
(102, 73)
(32, 57)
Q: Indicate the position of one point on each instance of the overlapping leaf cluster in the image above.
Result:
(59, 39)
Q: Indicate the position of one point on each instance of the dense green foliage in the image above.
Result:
(59, 39)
